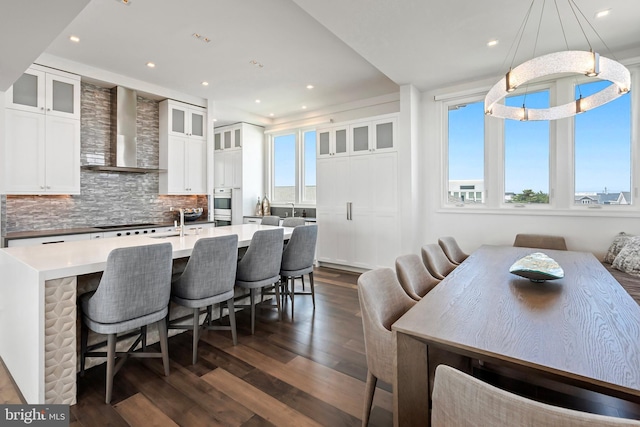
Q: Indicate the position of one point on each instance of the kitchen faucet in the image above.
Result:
(293, 209)
(181, 219)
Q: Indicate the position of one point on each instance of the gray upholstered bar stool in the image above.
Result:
(133, 292)
(297, 260)
(260, 266)
(452, 250)
(293, 222)
(208, 278)
(270, 220)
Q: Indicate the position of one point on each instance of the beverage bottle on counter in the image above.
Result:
(266, 206)
(304, 213)
(259, 207)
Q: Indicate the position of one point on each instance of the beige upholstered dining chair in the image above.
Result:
(461, 400)
(452, 250)
(382, 302)
(541, 241)
(414, 276)
(436, 261)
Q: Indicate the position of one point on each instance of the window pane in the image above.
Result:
(603, 150)
(309, 184)
(284, 168)
(526, 153)
(466, 152)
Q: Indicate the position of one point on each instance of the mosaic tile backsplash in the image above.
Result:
(106, 198)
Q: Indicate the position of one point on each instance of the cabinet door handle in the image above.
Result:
(349, 217)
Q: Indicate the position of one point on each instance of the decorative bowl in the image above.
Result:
(192, 214)
(537, 267)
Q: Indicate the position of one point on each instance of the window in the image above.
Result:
(603, 150)
(293, 167)
(526, 153)
(466, 152)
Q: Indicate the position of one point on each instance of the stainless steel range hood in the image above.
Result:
(124, 157)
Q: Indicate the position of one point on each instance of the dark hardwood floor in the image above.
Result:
(307, 372)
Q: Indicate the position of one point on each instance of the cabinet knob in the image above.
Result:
(48, 109)
(42, 187)
(48, 187)
(42, 108)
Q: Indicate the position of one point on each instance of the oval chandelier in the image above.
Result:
(588, 63)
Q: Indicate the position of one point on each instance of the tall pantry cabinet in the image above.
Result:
(41, 153)
(357, 195)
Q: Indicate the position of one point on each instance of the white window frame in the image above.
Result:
(299, 167)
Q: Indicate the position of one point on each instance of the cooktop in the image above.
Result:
(109, 227)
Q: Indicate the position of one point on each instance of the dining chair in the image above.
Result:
(297, 260)
(260, 266)
(293, 221)
(414, 276)
(462, 400)
(540, 241)
(436, 261)
(270, 220)
(382, 302)
(208, 279)
(452, 250)
(133, 292)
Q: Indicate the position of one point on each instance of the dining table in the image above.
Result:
(38, 312)
(582, 329)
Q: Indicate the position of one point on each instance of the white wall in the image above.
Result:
(583, 230)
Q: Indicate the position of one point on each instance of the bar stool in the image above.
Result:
(133, 292)
(293, 222)
(297, 260)
(452, 250)
(260, 266)
(208, 278)
(436, 261)
(270, 220)
(414, 276)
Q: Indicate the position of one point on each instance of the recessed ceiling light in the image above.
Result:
(74, 39)
(215, 120)
(257, 101)
(125, 2)
(603, 13)
(256, 63)
(309, 86)
(492, 43)
(304, 107)
(271, 114)
(151, 65)
(205, 83)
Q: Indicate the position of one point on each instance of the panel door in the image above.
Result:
(62, 96)
(62, 154)
(360, 134)
(28, 92)
(176, 165)
(219, 161)
(217, 141)
(237, 137)
(323, 143)
(235, 161)
(178, 120)
(196, 167)
(384, 135)
(197, 123)
(24, 156)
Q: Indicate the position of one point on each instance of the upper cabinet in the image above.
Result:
(41, 152)
(374, 136)
(186, 120)
(183, 148)
(369, 136)
(45, 91)
(228, 138)
(332, 142)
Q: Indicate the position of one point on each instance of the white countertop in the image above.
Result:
(89, 256)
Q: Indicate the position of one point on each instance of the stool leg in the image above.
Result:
(277, 289)
(313, 290)
(210, 314)
(292, 293)
(232, 320)
(302, 278)
(253, 311)
(196, 335)
(164, 345)
(111, 360)
(143, 332)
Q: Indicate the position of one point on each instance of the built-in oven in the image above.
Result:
(222, 202)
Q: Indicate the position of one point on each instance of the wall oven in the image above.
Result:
(222, 202)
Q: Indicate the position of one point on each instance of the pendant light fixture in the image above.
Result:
(588, 63)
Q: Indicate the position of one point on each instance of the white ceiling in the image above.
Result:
(348, 49)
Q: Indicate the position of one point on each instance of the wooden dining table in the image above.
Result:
(582, 329)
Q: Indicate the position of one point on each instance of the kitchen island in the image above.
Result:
(38, 290)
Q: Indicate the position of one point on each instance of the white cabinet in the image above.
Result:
(48, 240)
(183, 149)
(239, 164)
(228, 138)
(41, 148)
(357, 204)
(374, 136)
(250, 220)
(332, 142)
